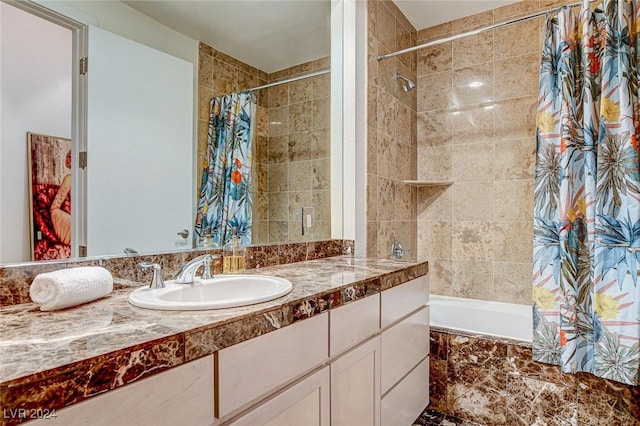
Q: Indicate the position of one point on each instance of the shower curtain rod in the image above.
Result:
(289, 80)
(474, 32)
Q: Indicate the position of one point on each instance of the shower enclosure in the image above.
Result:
(291, 138)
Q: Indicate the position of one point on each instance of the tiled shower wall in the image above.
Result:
(476, 128)
(297, 157)
(291, 142)
(391, 132)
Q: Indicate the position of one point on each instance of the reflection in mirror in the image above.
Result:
(291, 143)
(36, 98)
(290, 152)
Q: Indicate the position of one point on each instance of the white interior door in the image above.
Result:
(139, 146)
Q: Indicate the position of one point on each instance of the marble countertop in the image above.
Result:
(108, 343)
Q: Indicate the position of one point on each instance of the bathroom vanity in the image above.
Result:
(349, 345)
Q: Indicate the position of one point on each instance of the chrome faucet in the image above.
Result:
(156, 279)
(188, 271)
(397, 252)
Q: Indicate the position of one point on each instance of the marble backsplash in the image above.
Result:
(496, 383)
(16, 279)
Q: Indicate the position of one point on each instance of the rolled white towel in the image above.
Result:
(69, 287)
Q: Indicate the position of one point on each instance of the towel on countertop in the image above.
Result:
(69, 287)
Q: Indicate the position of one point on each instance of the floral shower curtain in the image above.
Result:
(587, 193)
(226, 190)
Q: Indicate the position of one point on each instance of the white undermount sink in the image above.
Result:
(222, 291)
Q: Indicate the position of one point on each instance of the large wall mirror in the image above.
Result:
(144, 56)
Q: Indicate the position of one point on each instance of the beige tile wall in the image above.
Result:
(476, 128)
(391, 132)
(221, 74)
(297, 161)
(291, 145)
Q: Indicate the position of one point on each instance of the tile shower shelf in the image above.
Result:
(56, 359)
(426, 183)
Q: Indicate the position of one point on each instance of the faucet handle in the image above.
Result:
(397, 251)
(206, 266)
(156, 279)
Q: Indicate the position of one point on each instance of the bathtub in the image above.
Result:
(480, 317)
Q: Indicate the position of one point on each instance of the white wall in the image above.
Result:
(36, 97)
(113, 16)
(118, 18)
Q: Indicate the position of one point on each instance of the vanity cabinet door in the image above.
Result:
(304, 403)
(355, 386)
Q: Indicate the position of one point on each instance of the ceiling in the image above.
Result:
(427, 13)
(275, 34)
(268, 34)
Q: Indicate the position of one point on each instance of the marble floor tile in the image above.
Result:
(431, 417)
(455, 421)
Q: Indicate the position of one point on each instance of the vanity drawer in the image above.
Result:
(180, 396)
(404, 403)
(401, 300)
(251, 369)
(353, 323)
(403, 346)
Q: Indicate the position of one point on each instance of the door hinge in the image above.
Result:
(82, 159)
(82, 251)
(84, 65)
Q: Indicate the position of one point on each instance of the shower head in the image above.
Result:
(407, 84)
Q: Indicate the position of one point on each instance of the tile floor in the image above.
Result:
(433, 418)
